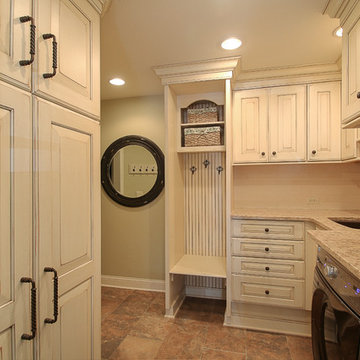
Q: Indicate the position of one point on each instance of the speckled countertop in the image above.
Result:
(341, 242)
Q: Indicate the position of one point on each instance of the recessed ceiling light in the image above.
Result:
(338, 32)
(117, 81)
(231, 44)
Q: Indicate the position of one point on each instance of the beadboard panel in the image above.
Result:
(204, 204)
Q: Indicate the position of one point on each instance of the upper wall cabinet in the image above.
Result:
(269, 125)
(68, 31)
(324, 121)
(15, 42)
(57, 47)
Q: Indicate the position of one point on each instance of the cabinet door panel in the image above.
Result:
(69, 239)
(76, 26)
(14, 42)
(287, 124)
(15, 221)
(250, 126)
(324, 122)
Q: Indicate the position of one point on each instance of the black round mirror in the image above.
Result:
(132, 171)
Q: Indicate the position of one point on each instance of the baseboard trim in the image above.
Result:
(133, 283)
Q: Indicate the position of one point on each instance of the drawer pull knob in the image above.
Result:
(266, 229)
(267, 292)
(358, 95)
(267, 268)
(274, 153)
(267, 249)
(263, 153)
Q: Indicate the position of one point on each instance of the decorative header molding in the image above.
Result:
(339, 8)
(214, 69)
(287, 75)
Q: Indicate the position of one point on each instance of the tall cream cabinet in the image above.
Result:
(49, 179)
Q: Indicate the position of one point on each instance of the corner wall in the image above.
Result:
(133, 238)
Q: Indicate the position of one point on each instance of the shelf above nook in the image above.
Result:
(214, 266)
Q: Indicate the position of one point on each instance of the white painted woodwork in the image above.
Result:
(76, 25)
(324, 122)
(350, 68)
(268, 267)
(265, 248)
(68, 231)
(281, 292)
(15, 42)
(205, 281)
(250, 126)
(310, 263)
(287, 123)
(268, 229)
(15, 221)
(201, 266)
(348, 144)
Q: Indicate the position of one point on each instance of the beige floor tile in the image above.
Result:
(300, 348)
(210, 354)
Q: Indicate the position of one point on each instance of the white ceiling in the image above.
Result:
(137, 35)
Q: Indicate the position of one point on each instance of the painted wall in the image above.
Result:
(133, 238)
(322, 186)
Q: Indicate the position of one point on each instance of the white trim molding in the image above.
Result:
(214, 69)
(133, 283)
(339, 8)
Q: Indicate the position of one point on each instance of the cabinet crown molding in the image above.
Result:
(339, 8)
(213, 69)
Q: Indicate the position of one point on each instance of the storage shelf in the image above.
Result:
(193, 149)
(214, 266)
(201, 124)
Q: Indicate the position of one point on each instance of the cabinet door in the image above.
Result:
(250, 126)
(76, 25)
(348, 143)
(15, 222)
(68, 211)
(324, 124)
(287, 124)
(351, 66)
(15, 42)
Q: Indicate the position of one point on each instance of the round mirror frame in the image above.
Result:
(105, 170)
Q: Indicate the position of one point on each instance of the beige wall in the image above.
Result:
(323, 186)
(133, 238)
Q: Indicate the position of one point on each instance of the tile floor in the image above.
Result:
(134, 327)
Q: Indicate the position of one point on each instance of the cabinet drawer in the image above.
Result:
(269, 291)
(290, 230)
(273, 249)
(268, 267)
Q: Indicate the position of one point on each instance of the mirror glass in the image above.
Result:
(133, 171)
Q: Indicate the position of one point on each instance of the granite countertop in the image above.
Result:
(339, 241)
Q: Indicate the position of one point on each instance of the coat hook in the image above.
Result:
(193, 169)
(219, 169)
(206, 163)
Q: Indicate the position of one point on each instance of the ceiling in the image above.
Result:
(137, 35)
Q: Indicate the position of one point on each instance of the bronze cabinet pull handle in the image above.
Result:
(56, 296)
(33, 308)
(54, 55)
(24, 19)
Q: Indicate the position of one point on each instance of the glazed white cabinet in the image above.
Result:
(351, 67)
(324, 124)
(15, 221)
(15, 42)
(65, 67)
(269, 125)
(76, 27)
(68, 236)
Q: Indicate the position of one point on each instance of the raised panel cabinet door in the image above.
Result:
(324, 123)
(250, 126)
(68, 211)
(76, 27)
(287, 124)
(348, 143)
(15, 42)
(15, 222)
(351, 67)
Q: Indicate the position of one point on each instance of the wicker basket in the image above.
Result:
(202, 115)
(203, 136)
